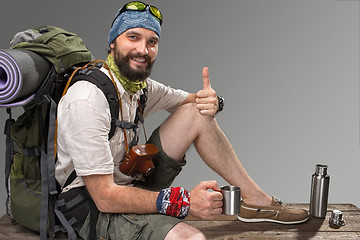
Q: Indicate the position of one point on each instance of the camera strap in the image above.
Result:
(142, 117)
(122, 117)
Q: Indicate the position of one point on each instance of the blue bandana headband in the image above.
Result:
(133, 19)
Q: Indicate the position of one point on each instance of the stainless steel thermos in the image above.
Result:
(319, 191)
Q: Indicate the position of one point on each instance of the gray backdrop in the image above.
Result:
(289, 72)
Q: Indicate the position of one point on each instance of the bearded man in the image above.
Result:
(141, 206)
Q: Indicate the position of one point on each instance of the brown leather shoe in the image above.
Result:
(277, 212)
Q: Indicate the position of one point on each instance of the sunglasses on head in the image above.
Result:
(140, 6)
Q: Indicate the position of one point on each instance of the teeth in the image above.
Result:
(139, 59)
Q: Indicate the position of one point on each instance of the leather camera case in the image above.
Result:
(139, 160)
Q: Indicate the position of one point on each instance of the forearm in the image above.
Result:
(191, 98)
(110, 197)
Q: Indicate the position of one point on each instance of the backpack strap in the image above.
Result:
(49, 190)
(8, 155)
(48, 160)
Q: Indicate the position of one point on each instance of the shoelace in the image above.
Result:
(278, 201)
(277, 212)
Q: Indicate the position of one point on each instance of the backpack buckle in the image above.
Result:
(85, 71)
(43, 30)
(99, 64)
(45, 99)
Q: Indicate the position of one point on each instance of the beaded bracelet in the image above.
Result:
(173, 202)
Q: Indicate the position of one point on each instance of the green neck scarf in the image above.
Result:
(129, 86)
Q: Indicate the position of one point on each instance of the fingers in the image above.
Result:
(206, 98)
(207, 106)
(206, 80)
(205, 204)
(207, 184)
(216, 189)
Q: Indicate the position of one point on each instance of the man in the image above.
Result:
(146, 207)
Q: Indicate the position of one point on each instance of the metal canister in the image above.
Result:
(319, 191)
(336, 219)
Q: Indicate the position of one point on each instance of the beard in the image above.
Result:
(134, 75)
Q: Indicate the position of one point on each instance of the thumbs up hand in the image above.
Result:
(206, 99)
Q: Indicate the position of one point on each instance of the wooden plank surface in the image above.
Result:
(229, 228)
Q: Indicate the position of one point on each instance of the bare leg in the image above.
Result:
(182, 231)
(187, 126)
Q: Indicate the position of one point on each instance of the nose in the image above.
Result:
(142, 48)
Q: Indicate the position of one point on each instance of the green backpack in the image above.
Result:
(30, 155)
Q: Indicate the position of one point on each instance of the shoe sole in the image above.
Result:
(256, 220)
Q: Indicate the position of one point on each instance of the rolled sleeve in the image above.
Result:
(162, 97)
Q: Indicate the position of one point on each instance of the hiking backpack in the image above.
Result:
(30, 156)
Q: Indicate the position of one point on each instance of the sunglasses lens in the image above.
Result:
(156, 12)
(136, 6)
(140, 6)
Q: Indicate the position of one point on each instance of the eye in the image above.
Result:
(132, 37)
(153, 42)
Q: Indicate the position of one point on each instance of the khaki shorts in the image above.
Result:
(137, 226)
(166, 168)
(111, 226)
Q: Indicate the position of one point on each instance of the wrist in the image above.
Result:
(173, 202)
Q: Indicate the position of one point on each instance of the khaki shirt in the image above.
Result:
(84, 124)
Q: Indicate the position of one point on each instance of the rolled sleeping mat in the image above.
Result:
(21, 74)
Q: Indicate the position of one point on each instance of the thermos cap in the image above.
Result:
(321, 169)
(336, 218)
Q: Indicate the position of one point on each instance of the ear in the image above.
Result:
(112, 45)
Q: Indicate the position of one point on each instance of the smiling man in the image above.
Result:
(144, 206)
(135, 66)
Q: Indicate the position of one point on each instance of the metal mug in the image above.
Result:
(231, 200)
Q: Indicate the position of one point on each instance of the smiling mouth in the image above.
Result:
(139, 60)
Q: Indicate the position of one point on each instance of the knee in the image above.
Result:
(198, 120)
(191, 112)
(185, 231)
(187, 119)
(190, 109)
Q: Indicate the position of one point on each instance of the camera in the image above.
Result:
(139, 160)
